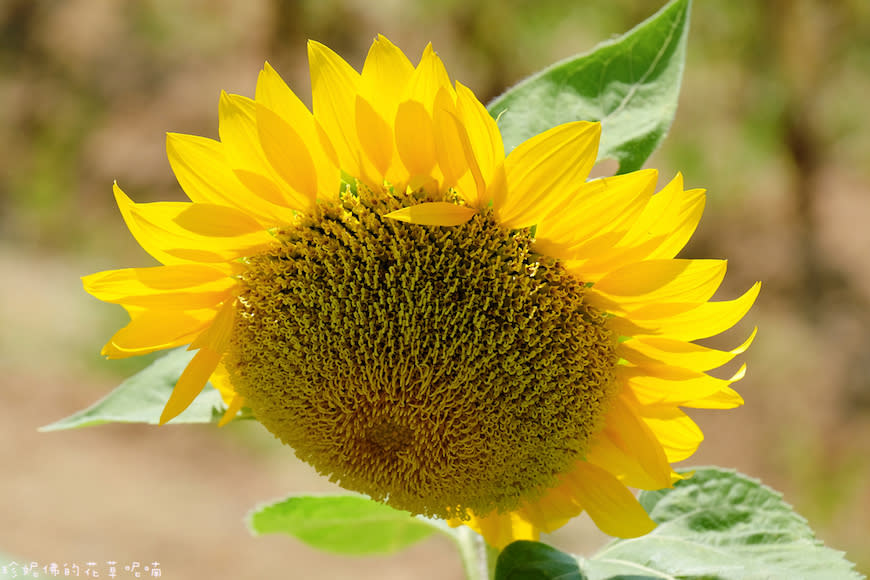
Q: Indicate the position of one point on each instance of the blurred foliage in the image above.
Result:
(88, 86)
(771, 121)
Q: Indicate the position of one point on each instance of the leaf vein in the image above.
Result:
(634, 86)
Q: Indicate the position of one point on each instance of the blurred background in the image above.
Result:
(772, 121)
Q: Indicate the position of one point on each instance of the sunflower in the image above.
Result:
(491, 339)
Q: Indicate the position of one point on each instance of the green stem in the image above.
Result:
(491, 558)
(478, 558)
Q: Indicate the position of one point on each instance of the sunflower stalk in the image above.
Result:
(478, 557)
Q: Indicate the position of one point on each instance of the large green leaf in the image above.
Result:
(631, 84)
(721, 524)
(346, 524)
(716, 525)
(140, 399)
(535, 561)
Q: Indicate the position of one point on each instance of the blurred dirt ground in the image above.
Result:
(772, 122)
(126, 493)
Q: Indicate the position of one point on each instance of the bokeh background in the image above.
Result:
(773, 121)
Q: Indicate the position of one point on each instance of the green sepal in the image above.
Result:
(630, 84)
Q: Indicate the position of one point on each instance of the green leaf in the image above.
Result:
(631, 84)
(523, 560)
(140, 399)
(721, 524)
(345, 524)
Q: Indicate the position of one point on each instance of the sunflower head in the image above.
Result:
(492, 339)
(439, 369)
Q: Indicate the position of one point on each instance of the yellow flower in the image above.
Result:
(489, 339)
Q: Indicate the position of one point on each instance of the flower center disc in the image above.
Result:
(438, 369)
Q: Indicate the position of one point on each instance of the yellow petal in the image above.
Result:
(645, 351)
(155, 227)
(240, 135)
(217, 336)
(232, 410)
(593, 221)
(146, 233)
(661, 231)
(675, 386)
(328, 172)
(553, 510)
(483, 135)
(499, 530)
(268, 188)
(673, 216)
(288, 154)
(204, 173)
(152, 330)
(546, 171)
(427, 80)
(212, 343)
(677, 433)
(453, 148)
(652, 313)
(375, 136)
(275, 95)
(724, 398)
(608, 502)
(385, 75)
(708, 319)
(177, 287)
(624, 327)
(334, 86)
(191, 383)
(607, 455)
(415, 138)
(634, 445)
(208, 219)
(653, 281)
(220, 380)
(437, 213)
